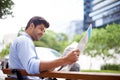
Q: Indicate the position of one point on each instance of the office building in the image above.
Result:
(101, 12)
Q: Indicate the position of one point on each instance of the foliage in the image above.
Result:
(5, 7)
(77, 37)
(57, 41)
(101, 71)
(20, 31)
(103, 40)
(5, 51)
(111, 67)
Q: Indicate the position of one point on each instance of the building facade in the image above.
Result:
(101, 12)
(74, 27)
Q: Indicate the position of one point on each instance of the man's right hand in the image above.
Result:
(72, 56)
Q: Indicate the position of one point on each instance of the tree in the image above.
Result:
(5, 51)
(57, 41)
(5, 8)
(103, 40)
(20, 31)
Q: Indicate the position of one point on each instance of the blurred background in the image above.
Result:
(69, 20)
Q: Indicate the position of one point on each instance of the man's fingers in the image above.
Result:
(77, 52)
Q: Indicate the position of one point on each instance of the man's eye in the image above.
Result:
(43, 30)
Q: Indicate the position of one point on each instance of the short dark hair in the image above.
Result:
(37, 20)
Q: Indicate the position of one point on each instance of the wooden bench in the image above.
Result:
(66, 75)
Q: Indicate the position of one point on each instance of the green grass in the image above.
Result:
(106, 71)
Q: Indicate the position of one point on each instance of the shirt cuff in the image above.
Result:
(36, 67)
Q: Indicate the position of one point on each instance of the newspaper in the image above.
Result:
(85, 39)
(81, 46)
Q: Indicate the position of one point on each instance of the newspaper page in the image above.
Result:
(85, 39)
(81, 46)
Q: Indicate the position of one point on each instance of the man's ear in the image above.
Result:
(32, 26)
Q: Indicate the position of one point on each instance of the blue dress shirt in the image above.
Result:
(23, 55)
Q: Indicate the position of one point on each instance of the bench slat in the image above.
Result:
(10, 78)
(70, 75)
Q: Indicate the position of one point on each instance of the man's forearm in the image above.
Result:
(51, 65)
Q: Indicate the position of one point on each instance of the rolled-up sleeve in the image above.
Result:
(28, 57)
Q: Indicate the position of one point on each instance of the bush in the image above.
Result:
(111, 67)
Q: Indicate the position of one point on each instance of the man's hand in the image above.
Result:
(72, 56)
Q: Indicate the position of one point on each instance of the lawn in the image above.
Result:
(106, 71)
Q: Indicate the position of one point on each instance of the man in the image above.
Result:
(23, 54)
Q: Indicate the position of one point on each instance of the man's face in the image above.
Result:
(38, 31)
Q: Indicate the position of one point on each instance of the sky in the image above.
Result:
(57, 12)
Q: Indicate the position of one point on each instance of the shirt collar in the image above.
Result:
(26, 34)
